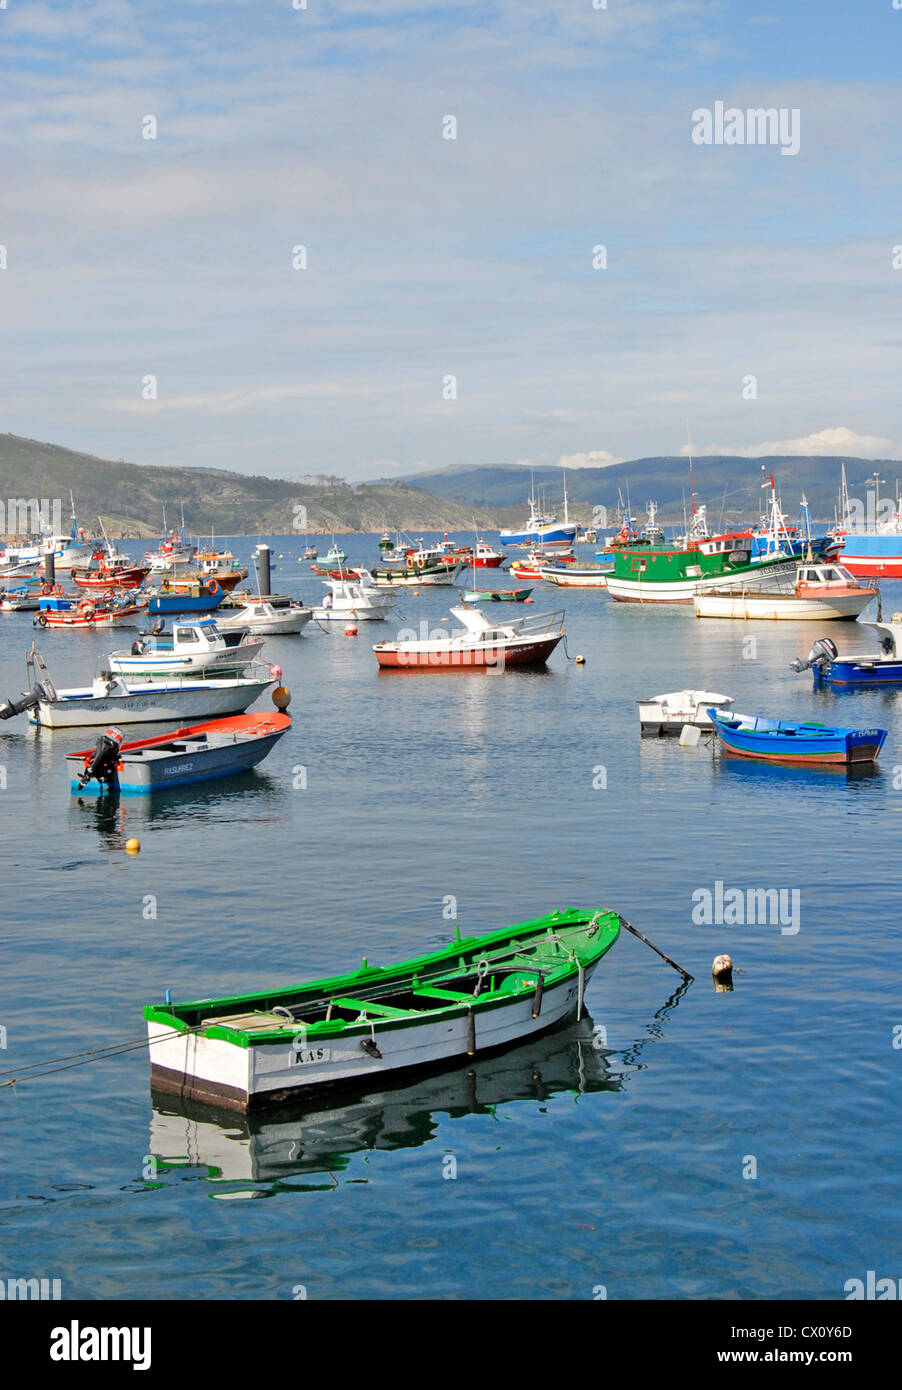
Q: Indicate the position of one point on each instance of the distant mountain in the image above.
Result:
(130, 497)
(728, 485)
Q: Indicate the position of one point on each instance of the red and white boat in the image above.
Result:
(111, 577)
(538, 560)
(88, 614)
(481, 644)
(481, 557)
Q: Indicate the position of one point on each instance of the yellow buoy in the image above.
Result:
(580, 661)
(133, 846)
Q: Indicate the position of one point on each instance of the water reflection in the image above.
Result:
(221, 800)
(320, 1136)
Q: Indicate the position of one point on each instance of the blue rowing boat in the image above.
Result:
(781, 740)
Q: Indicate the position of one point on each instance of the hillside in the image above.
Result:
(130, 497)
(726, 484)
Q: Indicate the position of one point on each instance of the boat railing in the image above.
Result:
(539, 622)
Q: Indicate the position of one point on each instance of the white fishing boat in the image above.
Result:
(67, 551)
(113, 699)
(481, 643)
(591, 576)
(273, 616)
(821, 591)
(670, 713)
(354, 598)
(188, 648)
(368, 1027)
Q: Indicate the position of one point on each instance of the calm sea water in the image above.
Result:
(560, 1167)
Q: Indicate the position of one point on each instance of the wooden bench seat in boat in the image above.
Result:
(370, 1006)
(256, 1022)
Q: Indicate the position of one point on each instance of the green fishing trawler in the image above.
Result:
(669, 574)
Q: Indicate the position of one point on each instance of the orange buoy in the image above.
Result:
(350, 630)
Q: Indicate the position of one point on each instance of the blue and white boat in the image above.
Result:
(217, 748)
(858, 668)
(775, 539)
(176, 601)
(783, 740)
(540, 530)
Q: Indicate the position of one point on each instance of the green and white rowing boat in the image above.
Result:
(474, 996)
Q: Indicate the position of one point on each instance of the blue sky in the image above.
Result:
(427, 258)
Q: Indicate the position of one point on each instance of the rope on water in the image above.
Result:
(31, 1071)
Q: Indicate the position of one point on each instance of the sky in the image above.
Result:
(451, 304)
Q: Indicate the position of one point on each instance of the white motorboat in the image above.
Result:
(354, 598)
(821, 591)
(188, 648)
(111, 698)
(273, 616)
(480, 644)
(669, 714)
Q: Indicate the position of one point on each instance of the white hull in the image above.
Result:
(776, 606)
(276, 623)
(163, 667)
(216, 1069)
(368, 612)
(146, 703)
(666, 714)
(680, 590)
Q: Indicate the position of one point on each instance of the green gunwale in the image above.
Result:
(426, 972)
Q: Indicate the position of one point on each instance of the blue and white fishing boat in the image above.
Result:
(775, 539)
(782, 740)
(541, 530)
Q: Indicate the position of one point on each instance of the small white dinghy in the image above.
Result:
(669, 714)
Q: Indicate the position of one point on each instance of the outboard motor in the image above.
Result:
(9, 708)
(822, 653)
(103, 765)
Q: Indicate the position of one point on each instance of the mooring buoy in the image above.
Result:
(722, 970)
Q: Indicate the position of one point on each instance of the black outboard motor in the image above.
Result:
(103, 766)
(9, 708)
(822, 653)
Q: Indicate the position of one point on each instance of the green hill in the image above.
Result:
(130, 497)
(728, 485)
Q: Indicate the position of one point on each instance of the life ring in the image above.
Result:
(86, 607)
(411, 562)
(46, 590)
(57, 590)
(212, 586)
(109, 596)
(41, 619)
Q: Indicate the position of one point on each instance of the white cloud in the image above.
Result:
(594, 458)
(829, 442)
